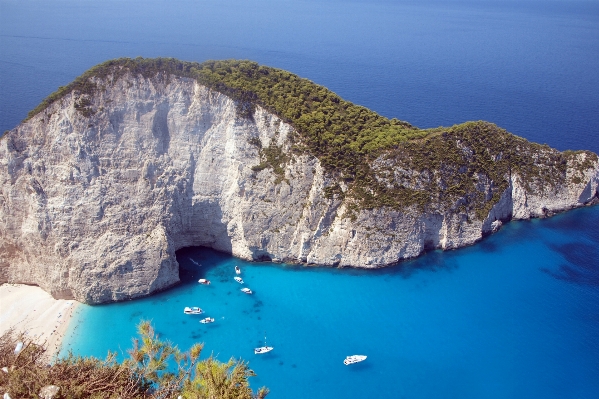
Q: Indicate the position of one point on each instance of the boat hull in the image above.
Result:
(194, 310)
(262, 350)
(353, 359)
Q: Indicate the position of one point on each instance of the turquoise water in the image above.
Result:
(516, 316)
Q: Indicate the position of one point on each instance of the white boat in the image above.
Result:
(246, 290)
(238, 279)
(263, 349)
(204, 281)
(207, 320)
(354, 359)
(237, 270)
(192, 310)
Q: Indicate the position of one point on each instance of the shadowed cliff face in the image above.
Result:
(97, 194)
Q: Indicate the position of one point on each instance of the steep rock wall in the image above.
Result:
(97, 194)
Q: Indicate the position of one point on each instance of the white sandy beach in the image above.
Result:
(33, 311)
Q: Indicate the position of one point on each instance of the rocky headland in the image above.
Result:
(139, 158)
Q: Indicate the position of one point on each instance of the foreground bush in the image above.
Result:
(155, 369)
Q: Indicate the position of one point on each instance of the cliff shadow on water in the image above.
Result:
(196, 262)
(579, 257)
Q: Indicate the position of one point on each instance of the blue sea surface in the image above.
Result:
(528, 66)
(515, 316)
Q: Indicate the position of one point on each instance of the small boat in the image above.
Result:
(207, 320)
(354, 359)
(192, 310)
(204, 281)
(246, 290)
(237, 270)
(238, 279)
(263, 349)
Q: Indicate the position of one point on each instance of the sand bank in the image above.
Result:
(33, 311)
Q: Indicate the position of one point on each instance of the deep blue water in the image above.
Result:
(528, 66)
(516, 316)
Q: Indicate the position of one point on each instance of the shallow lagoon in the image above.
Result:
(515, 316)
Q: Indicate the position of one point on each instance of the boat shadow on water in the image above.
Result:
(357, 367)
(271, 356)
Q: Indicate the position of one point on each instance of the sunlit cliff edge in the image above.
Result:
(101, 185)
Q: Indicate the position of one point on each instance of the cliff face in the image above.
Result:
(98, 192)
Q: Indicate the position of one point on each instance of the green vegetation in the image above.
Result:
(271, 157)
(362, 150)
(332, 128)
(344, 136)
(155, 369)
(465, 168)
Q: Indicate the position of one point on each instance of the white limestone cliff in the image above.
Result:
(94, 205)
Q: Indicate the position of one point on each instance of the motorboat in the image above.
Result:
(237, 270)
(263, 349)
(246, 290)
(207, 320)
(354, 359)
(238, 279)
(204, 281)
(192, 310)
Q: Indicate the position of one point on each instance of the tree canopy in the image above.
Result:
(442, 167)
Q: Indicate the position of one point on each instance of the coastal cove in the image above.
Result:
(477, 322)
(138, 158)
(515, 315)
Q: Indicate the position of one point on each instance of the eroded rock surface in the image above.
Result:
(96, 196)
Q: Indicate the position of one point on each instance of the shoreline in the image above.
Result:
(35, 313)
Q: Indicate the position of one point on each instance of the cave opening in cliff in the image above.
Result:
(195, 262)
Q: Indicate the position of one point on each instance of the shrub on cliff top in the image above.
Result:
(342, 135)
(332, 126)
(347, 138)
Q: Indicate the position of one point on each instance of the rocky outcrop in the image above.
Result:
(98, 192)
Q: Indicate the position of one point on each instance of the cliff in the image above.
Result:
(100, 187)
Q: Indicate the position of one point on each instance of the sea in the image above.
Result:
(514, 316)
